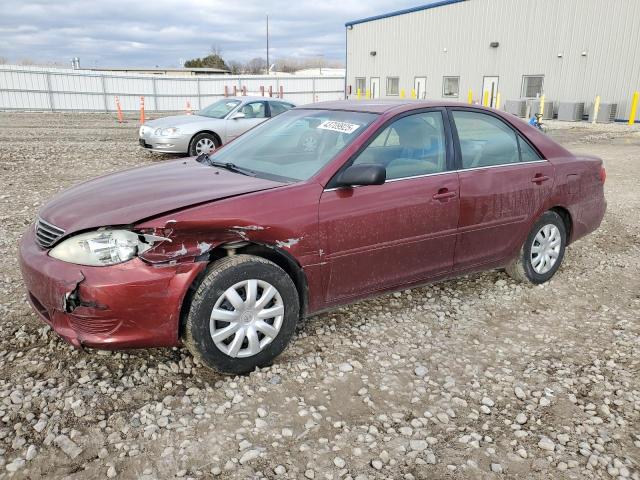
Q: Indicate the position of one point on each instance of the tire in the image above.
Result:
(236, 273)
(202, 138)
(532, 268)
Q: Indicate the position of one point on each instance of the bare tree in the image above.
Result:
(256, 66)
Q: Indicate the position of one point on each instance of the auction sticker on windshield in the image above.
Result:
(342, 127)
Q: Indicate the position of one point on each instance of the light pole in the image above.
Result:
(267, 44)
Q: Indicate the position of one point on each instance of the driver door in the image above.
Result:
(254, 114)
(378, 237)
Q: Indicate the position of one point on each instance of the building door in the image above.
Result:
(375, 87)
(490, 88)
(420, 87)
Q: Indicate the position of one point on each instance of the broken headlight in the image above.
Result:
(100, 248)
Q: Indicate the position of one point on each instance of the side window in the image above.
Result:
(254, 110)
(411, 146)
(278, 107)
(484, 140)
(527, 154)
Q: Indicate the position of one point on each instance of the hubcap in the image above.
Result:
(205, 145)
(545, 249)
(246, 318)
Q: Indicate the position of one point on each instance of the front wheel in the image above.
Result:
(543, 250)
(203, 143)
(242, 315)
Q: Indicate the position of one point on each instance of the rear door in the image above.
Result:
(382, 236)
(504, 183)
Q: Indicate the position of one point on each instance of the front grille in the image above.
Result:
(94, 326)
(47, 234)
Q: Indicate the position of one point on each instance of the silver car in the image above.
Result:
(211, 127)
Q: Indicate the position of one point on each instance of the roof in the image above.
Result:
(156, 69)
(378, 106)
(427, 6)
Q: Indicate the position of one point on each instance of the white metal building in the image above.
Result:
(568, 50)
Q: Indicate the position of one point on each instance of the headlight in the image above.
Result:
(166, 132)
(100, 248)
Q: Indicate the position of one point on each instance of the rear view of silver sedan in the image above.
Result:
(211, 127)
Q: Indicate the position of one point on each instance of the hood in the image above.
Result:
(126, 197)
(177, 120)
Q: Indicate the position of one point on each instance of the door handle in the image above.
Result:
(539, 178)
(443, 194)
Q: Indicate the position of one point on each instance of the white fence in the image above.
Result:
(51, 89)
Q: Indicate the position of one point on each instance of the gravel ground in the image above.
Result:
(478, 377)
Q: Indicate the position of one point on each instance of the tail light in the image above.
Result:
(603, 174)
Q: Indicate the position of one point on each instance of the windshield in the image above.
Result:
(220, 109)
(296, 144)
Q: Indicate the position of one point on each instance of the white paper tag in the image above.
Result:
(342, 127)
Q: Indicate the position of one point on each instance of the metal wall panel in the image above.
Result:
(453, 40)
(39, 88)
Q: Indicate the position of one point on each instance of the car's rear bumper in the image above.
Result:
(130, 305)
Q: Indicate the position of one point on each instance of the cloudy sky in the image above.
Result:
(163, 32)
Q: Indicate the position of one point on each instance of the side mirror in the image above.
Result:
(237, 115)
(363, 174)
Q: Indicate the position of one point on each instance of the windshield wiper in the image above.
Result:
(232, 167)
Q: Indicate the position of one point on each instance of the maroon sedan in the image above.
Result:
(321, 206)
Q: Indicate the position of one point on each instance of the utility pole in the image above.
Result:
(268, 44)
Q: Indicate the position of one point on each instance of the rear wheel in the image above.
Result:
(243, 314)
(543, 251)
(203, 143)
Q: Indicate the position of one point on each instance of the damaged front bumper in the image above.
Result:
(129, 305)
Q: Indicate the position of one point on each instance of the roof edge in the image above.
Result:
(427, 6)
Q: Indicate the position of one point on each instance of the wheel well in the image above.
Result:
(566, 219)
(210, 132)
(282, 259)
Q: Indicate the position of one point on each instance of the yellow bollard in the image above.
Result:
(485, 99)
(470, 97)
(634, 108)
(402, 93)
(413, 93)
(368, 93)
(541, 110)
(498, 101)
(359, 93)
(596, 109)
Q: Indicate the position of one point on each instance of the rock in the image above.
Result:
(111, 472)
(544, 402)
(261, 412)
(418, 445)
(16, 465)
(249, 455)
(40, 426)
(345, 367)
(377, 464)
(563, 438)
(546, 443)
(496, 468)
(521, 418)
(280, 470)
(68, 446)
(421, 371)
(519, 393)
(310, 474)
(32, 451)
(488, 402)
(339, 462)
(442, 417)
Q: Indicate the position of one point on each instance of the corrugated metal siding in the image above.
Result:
(38, 88)
(531, 35)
